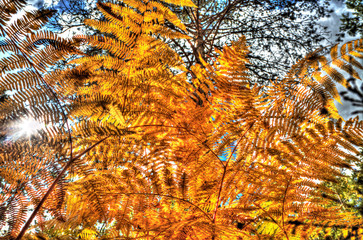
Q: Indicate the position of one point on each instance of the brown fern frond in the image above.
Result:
(33, 144)
(7, 8)
(30, 21)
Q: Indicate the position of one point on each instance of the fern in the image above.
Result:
(28, 165)
(240, 165)
(147, 161)
(316, 65)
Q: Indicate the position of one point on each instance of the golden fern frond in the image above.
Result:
(352, 48)
(186, 3)
(165, 12)
(115, 47)
(152, 20)
(286, 142)
(321, 70)
(137, 73)
(121, 33)
(242, 164)
(91, 128)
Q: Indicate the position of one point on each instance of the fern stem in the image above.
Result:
(283, 202)
(44, 198)
(225, 171)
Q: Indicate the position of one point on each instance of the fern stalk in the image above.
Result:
(273, 219)
(225, 171)
(40, 204)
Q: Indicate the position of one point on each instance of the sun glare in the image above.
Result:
(28, 127)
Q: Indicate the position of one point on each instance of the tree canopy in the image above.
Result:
(353, 24)
(278, 32)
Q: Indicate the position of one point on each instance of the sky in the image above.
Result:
(36, 3)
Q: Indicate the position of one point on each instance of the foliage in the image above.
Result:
(147, 160)
(28, 163)
(296, 32)
(213, 24)
(348, 189)
(353, 24)
(354, 95)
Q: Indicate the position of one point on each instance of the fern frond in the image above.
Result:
(30, 21)
(9, 7)
(319, 68)
(13, 62)
(186, 3)
(46, 38)
(242, 164)
(28, 97)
